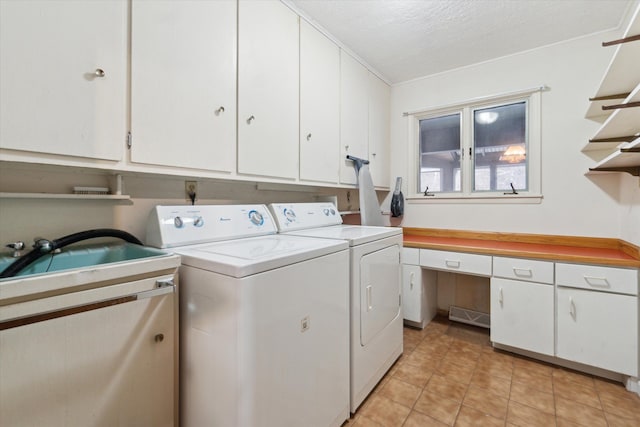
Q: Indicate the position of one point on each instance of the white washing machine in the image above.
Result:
(264, 319)
(376, 301)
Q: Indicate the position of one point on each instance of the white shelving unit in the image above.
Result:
(621, 75)
(624, 159)
(617, 105)
(113, 197)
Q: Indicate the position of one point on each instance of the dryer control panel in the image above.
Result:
(171, 226)
(300, 216)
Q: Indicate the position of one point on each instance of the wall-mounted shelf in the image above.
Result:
(622, 125)
(621, 75)
(624, 159)
(113, 197)
(617, 105)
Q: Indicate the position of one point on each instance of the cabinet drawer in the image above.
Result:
(523, 269)
(606, 279)
(411, 256)
(461, 262)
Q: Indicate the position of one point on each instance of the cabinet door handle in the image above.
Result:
(572, 308)
(250, 119)
(500, 297)
(219, 111)
(599, 282)
(308, 137)
(369, 306)
(99, 72)
(452, 264)
(523, 272)
(411, 276)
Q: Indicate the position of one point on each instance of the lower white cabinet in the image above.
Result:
(598, 329)
(419, 298)
(412, 292)
(597, 316)
(522, 315)
(111, 366)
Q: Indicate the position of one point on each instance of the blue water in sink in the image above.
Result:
(83, 256)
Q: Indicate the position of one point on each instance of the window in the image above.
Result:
(484, 149)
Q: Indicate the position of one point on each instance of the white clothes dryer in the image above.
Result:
(375, 282)
(263, 319)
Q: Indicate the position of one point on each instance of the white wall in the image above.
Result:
(630, 209)
(572, 204)
(25, 219)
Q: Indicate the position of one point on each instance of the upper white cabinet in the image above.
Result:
(379, 131)
(238, 89)
(319, 106)
(183, 83)
(268, 89)
(364, 122)
(354, 115)
(63, 77)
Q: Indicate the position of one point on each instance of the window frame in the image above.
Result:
(532, 98)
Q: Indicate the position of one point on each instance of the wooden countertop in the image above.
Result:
(588, 250)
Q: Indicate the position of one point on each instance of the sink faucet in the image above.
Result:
(16, 247)
(41, 244)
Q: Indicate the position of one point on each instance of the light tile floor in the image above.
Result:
(450, 375)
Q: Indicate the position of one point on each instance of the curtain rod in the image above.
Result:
(542, 88)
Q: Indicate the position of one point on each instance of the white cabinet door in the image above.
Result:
(354, 111)
(183, 83)
(63, 77)
(319, 106)
(268, 88)
(379, 136)
(111, 366)
(598, 329)
(522, 315)
(412, 293)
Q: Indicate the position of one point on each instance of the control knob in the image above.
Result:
(256, 217)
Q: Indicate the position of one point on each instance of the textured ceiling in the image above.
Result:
(406, 39)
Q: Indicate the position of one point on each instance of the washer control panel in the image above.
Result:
(299, 216)
(171, 226)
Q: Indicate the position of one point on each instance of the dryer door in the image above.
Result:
(379, 291)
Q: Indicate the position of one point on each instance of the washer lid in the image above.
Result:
(245, 257)
(354, 234)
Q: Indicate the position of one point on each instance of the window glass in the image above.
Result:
(440, 154)
(500, 148)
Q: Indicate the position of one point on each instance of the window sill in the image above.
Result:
(522, 199)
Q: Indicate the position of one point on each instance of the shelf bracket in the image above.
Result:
(609, 97)
(633, 170)
(627, 138)
(630, 150)
(620, 41)
(619, 106)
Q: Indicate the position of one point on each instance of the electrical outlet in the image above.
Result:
(190, 190)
